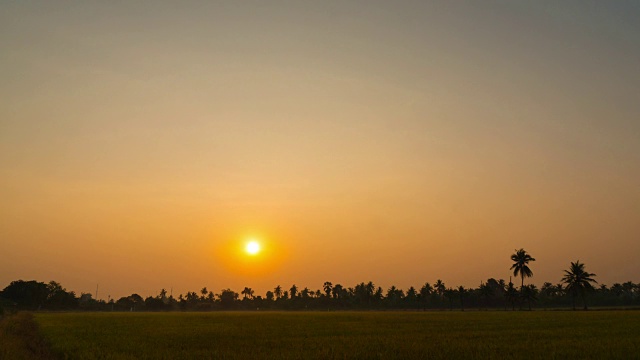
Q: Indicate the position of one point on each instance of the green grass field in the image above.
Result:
(339, 335)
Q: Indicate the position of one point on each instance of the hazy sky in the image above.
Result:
(142, 142)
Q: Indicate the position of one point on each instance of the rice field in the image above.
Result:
(344, 335)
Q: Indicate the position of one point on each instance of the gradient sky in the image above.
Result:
(141, 143)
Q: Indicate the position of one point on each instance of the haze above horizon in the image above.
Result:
(142, 144)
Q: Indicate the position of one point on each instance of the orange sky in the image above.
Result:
(142, 144)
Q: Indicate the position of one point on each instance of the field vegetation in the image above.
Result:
(339, 335)
(20, 338)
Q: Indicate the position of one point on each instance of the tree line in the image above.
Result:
(575, 289)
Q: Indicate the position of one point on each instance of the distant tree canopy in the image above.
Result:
(492, 293)
(33, 295)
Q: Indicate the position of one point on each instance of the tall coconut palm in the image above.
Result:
(578, 282)
(278, 292)
(520, 265)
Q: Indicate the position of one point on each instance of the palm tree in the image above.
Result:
(425, 292)
(485, 291)
(336, 291)
(530, 294)
(327, 288)
(521, 259)
(511, 295)
(371, 288)
(546, 291)
(277, 292)
(578, 281)
(247, 292)
(293, 291)
(440, 288)
(462, 292)
(450, 294)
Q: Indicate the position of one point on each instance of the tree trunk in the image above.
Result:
(521, 288)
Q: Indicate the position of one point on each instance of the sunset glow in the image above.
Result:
(253, 247)
(231, 144)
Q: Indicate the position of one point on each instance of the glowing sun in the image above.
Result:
(252, 248)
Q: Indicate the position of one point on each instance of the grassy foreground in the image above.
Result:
(20, 338)
(357, 335)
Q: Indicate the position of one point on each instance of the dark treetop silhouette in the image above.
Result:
(497, 294)
(521, 261)
(578, 282)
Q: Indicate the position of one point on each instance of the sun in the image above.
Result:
(252, 248)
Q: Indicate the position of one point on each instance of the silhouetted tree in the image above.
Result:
(485, 291)
(32, 295)
(327, 286)
(520, 266)
(163, 294)
(546, 293)
(462, 293)
(278, 292)
(394, 296)
(578, 282)
(269, 295)
(511, 295)
(378, 295)
(247, 293)
(132, 302)
(411, 299)
(27, 295)
(59, 299)
(450, 295)
(337, 291)
(305, 296)
(530, 294)
(425, 292)
(440, 287)
(227, 298)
